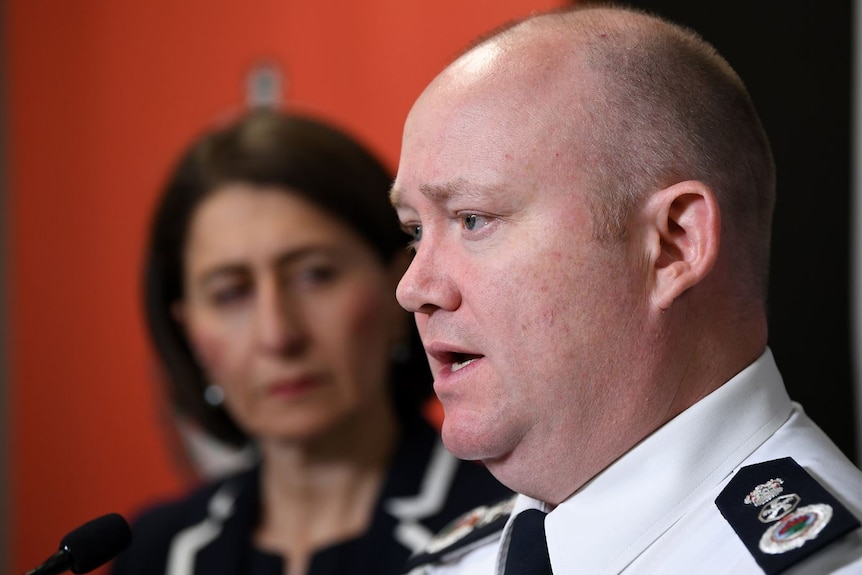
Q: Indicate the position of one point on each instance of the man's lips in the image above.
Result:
(451, 359)
(459, 365)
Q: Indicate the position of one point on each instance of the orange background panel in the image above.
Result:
(101, 97)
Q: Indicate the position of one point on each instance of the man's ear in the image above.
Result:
(683, 230)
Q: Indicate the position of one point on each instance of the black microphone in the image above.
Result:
(89, 546)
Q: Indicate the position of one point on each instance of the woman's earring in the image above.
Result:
(214, 395)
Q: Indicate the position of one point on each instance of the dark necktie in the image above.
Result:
(528, 550)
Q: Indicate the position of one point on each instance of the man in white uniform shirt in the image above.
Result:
(590, 197)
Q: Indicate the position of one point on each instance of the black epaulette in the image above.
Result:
(471, 530)
(782, 514)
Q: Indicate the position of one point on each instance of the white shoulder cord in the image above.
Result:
(430, 500)
(187, 543)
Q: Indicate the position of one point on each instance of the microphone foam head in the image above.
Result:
(96, 542)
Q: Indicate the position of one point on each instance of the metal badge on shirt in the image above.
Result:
(782, 514)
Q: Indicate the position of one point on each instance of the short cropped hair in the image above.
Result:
(665, 107)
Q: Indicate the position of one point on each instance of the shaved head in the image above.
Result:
(635, 104)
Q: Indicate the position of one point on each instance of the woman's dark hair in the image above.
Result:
(290, 152)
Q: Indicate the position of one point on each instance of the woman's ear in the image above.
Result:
(683, 231)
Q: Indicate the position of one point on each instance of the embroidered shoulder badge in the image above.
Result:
(461, 535)
(764, 505)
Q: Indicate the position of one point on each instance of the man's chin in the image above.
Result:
(470, 443)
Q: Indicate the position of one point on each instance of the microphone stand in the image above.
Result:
(57, 563)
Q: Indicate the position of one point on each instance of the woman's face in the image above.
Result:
(288, 310)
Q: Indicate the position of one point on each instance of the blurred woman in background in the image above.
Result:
(270, 278)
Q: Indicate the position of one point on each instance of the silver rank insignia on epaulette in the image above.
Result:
(791, 527)
(470, 530)
(767, 516)
(467, 523)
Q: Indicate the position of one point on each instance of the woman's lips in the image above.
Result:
(291, 388)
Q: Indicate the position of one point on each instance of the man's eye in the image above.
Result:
(415, 233)
(473, 222)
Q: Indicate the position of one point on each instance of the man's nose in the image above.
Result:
(427, 284)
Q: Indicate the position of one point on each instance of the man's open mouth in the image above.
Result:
(462, 360)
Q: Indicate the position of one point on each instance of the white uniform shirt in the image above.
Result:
(653, 510)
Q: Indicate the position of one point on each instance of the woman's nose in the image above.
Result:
(280, 326)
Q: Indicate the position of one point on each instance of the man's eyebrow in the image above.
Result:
(438, 192)
(394, 196)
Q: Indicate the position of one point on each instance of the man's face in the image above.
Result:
(524, 315)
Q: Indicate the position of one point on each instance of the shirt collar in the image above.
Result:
(608, 522)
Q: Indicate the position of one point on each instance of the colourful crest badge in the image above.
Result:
(764, 505)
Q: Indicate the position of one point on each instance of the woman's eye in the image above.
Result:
(229, 295)
(317, 275)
